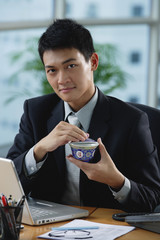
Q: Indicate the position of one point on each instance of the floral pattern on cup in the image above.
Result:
(84, 151)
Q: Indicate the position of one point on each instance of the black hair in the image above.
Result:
(66, 33)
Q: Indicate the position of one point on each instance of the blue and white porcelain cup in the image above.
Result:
(84, 151)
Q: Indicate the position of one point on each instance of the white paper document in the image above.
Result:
(82, 229)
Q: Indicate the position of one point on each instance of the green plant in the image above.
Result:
(108, 77)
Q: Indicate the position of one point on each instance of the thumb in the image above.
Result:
(102, 148)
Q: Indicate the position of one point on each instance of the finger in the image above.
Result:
(84, 166)
(79, 132)
(73, 132)
(102, 148)
(76, 136)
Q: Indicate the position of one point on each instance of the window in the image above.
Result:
(137, 11)
(15, 42)
(135, 57)
(128, 26)
(107, 9)
(12, 14)
(133, 99)
(127, 38)
(92, 10)
(12, 10)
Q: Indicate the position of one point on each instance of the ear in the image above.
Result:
(94, 61)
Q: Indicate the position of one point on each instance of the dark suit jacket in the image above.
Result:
(125, 133)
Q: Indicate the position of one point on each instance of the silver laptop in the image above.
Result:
(36, 212)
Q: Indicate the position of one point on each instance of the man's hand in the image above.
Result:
(63, 133)
(104, 171)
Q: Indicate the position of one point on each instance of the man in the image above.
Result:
(124, 172)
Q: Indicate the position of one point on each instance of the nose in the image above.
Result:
(62, 77)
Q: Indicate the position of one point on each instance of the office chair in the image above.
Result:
(154, 121)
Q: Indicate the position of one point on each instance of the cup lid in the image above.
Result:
(88, 142)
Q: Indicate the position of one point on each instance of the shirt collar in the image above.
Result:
(85, 113)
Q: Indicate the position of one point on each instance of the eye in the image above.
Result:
(71, 65)
(51, 70)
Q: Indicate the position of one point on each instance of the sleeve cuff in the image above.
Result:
(122, 195)
(30, 163)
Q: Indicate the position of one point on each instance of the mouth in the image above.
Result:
(66, 89)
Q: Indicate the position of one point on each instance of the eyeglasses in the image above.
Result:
(71, 234)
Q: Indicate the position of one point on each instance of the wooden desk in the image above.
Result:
(100, 215)
(31, 232)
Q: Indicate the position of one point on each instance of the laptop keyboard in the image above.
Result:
(39, 212)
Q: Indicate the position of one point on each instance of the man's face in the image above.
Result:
(70, 76)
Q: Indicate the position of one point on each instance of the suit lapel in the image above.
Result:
(57, 115)
(99, 124)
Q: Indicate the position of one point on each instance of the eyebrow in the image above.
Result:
(66, 61)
